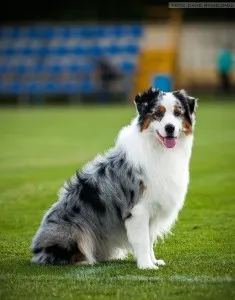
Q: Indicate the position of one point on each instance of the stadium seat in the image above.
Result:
(46, 59)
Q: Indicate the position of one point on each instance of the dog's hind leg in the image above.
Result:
(87, 247)
(119, 254)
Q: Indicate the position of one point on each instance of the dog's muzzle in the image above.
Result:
(168, 141)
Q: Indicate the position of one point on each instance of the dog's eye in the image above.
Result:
(177, 112)
(159, 114)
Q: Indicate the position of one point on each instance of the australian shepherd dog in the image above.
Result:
(126, 199)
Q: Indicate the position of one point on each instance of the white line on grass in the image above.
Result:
(95, 274)
(181, 278)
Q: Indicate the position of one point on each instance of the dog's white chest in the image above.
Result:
(167, 178)
(166, 175)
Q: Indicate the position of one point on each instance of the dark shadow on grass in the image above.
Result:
(28, 265)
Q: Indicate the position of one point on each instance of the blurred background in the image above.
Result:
(69, 71)
(69, 52)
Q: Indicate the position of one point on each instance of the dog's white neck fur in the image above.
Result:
(166, 179)
(145, 150)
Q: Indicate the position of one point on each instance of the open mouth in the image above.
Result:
(167, 141)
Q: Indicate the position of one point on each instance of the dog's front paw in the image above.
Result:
(159, 262)
(147, 266)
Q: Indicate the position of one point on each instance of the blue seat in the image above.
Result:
(96, 51)
(32, 87)
(137, 30)
(34, 56)
(9, 32)
(11, 88)
(132, 49)
(40, 32)
(127, 67)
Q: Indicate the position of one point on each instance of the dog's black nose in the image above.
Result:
(170, 128)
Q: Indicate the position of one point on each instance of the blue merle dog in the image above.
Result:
(122, 201)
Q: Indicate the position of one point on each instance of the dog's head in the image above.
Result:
(168, 116)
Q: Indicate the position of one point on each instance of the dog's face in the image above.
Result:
(166, 115)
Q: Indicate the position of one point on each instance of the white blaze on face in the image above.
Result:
(159, 126)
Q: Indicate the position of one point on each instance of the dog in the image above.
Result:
(126, 199)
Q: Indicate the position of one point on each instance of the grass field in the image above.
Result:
(40, 148)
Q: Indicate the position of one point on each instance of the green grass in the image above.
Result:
(40, 148)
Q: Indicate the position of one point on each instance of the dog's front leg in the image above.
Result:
(152, 236)
(158, 262)
(137, 227)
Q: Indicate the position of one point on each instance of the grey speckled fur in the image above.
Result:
(87, 223)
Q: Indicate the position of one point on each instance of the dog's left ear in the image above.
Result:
(142, 100)
(192, 104)
(191, 101)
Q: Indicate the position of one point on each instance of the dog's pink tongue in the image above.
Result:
(169, 142)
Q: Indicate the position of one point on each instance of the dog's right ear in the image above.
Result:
(142, 100)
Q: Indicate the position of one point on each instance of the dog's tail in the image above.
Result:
(57, 246)
(57, 254)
